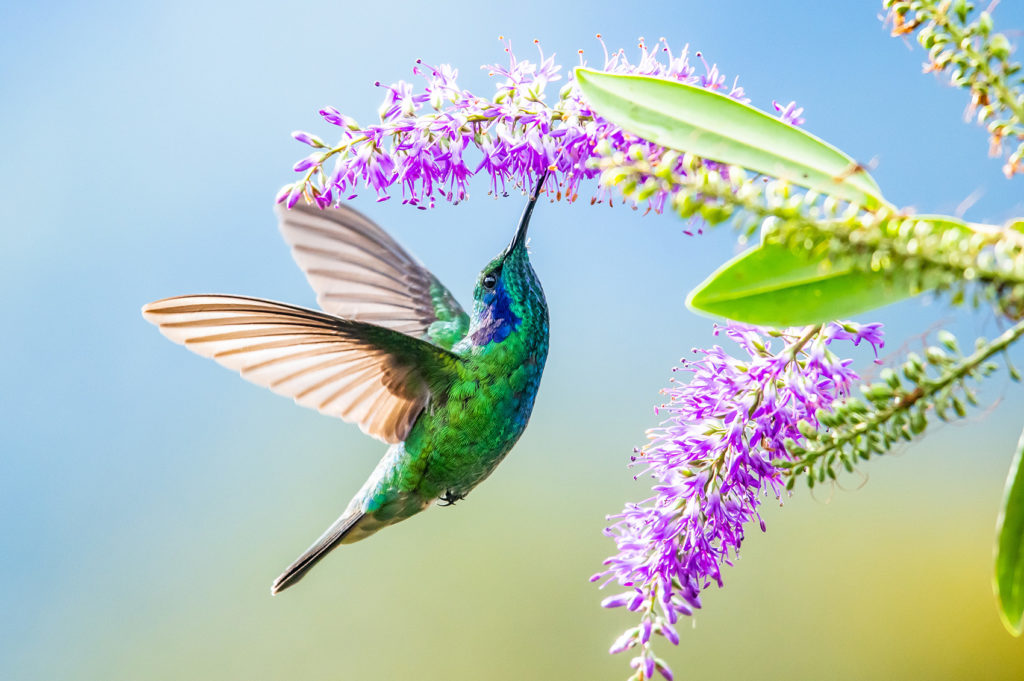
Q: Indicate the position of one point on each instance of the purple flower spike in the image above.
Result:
(433, 136)
(712, 461)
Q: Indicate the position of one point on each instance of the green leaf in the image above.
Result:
(714, 126)
(1008, 580)
(771, 285)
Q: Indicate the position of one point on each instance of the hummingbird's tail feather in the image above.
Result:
(331, 538)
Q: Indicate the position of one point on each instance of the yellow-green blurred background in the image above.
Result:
(148, 497)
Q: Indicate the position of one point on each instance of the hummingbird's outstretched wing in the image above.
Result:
(359, 272)
(377, 378)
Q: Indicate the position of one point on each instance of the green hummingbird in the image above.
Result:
(391, 351)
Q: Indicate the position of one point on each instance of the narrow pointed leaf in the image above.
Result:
(1008, 580)
(714, 126)
(770, 285)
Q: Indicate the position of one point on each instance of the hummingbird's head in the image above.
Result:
(508, 291)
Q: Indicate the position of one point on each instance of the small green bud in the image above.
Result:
(958, 407)
(984, 23)
(715, 213)
(948, 340)
(825, 417)
(913, 368)
(999, 47)
(807, 430)
(667, 164)
(961, 8)
(1014, 374)
(686, 205)
(890, 377)
(918, 422)
(875, 443)
(926, 37)
(648, 189)
(877, 392)
(856, 406)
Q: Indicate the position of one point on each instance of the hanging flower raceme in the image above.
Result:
(716, 456)
(430, 141)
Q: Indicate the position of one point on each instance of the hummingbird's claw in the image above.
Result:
(450, 498)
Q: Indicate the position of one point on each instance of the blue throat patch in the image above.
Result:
(497, 320)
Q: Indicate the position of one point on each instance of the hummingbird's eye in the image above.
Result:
(489, 282)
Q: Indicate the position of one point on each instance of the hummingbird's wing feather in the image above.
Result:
(375, 377)
(359, 272)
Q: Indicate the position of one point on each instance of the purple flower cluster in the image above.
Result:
(712, 461)
(430, 141)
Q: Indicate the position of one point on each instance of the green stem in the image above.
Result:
(905, 401)
(859, 235)
(795, 349)
(994, 80)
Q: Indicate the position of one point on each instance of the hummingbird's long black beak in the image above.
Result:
(519, 240)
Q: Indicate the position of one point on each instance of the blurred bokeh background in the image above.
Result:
(148, 497)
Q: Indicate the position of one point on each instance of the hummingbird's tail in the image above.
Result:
(334, 535)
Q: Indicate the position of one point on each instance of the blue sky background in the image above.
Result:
(148, 497)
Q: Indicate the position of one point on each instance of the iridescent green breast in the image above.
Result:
(484, 413)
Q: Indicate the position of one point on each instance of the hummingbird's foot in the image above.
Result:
(450, 498)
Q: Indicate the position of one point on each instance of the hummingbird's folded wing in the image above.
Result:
(359, 272)
(375, 377)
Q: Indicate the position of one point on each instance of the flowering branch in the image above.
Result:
(429, 142)
(853, 430)
(718, 453)
(936, 253)
(976, 59)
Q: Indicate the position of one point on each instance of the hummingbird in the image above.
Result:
(390, 350)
